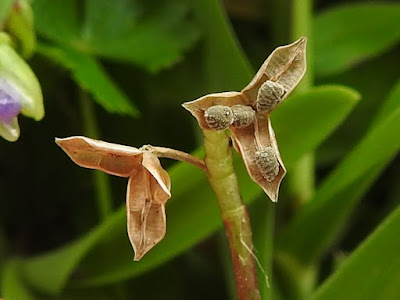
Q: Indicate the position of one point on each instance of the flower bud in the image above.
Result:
(269, 95)
(20, 26)
(219, 117)
(19, 91)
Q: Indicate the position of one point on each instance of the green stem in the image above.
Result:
(302, 178)
(102, 182)
(223, 180)
(262, 214)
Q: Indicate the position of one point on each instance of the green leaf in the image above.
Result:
(91, 76)
(12, 285)
(5, 9)
(57, 20)
(50, 272)
(372, 271)
(187, 209)
(320, 222)
(152, 35)
(225, 63)
(337, 101)
(348, 34)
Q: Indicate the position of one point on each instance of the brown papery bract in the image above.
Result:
(285, 66)
(148, 187)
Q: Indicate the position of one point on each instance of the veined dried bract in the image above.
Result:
(269, 96)
(242, 115)
(267, 163)
(219, 117)
(148, 187)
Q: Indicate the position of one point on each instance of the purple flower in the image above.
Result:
(9, 107)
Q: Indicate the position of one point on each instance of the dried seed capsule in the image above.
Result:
(267, 163)
(242, 115)
(219, 117)
(269, 95)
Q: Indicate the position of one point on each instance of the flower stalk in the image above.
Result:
(224, 182)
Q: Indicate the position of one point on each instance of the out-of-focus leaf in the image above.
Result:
(12, 286)
(49, 272)
(5, 9)
(337, 101)
(320, 222)
(372, 271)
(348, 34)
(90, 75)
(150, 34)
(57, 20)
(225, 66)
(187, 209)
(392, 103)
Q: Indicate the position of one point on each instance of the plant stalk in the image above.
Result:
(176, 155)
(102, 182)
(223, 180)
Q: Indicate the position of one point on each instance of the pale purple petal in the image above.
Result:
(9, 107)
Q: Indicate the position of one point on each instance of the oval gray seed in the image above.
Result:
(219, 117)
(269, 95)
(267, 163)
(242, 115)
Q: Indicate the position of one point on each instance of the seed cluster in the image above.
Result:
(267, 163)
(220, 117)
(269, 95)
(243, 115)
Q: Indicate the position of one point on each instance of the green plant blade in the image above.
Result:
(348, 34)
(186, 210)
(151, 35)
(372, 271)
(324, 105)
(12, 285)
(91, 76)
(232, 71)
(320, 222)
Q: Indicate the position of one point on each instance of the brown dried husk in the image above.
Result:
(148, 187)
(286, 65)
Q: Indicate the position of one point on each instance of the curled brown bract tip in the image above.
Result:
(148, 187)
(256, 142)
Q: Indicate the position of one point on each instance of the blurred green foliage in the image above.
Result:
(139, 60)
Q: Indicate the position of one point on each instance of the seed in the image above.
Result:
(242, 115)
(267, 163)
(219, 117)
(269, 95)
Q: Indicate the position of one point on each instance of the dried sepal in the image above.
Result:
(218, 117)
(148, 187)
(199, 106)
(242, 115)
(111, 158)
(148, 191)
(248, 141)
(286, 66)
